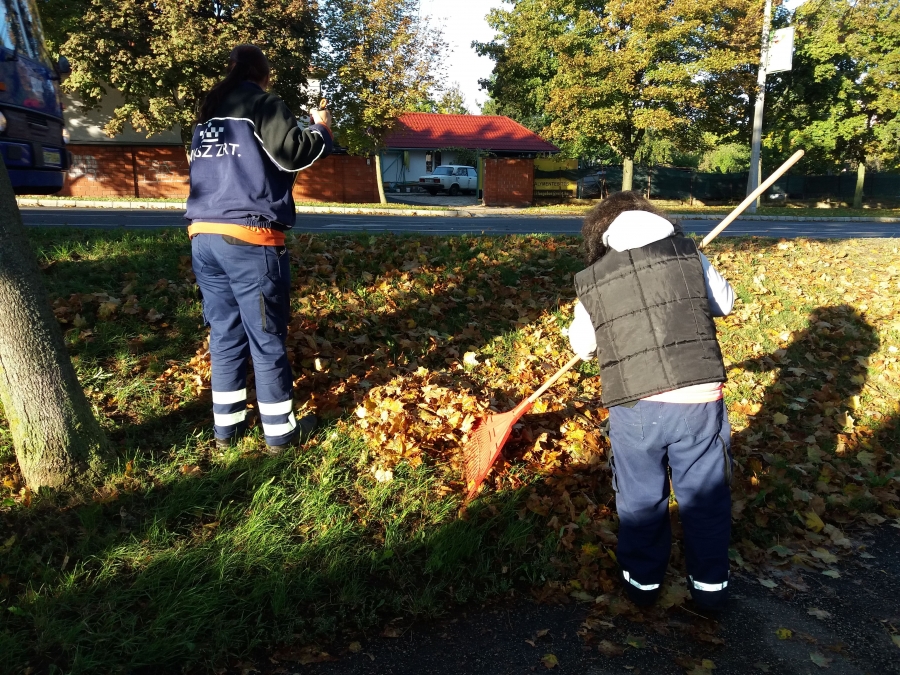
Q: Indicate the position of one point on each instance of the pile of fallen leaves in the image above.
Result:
(409, 340)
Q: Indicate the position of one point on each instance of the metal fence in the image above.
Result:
(687, 185)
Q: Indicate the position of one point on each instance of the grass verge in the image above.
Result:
(188, 557)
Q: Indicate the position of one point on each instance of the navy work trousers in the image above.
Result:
(693, 440)
(246, 304)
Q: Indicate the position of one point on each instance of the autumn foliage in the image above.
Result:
(409, 341)
(400, 343)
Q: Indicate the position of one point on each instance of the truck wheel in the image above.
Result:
(454, 189)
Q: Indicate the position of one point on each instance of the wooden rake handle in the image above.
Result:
(553, 378)
(779, 172)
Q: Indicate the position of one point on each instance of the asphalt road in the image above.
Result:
(849, 630)
(135, 218)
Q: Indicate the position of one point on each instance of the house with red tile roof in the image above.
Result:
(422, 141)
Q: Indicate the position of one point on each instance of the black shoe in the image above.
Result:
(223, 444)
(640, 597)
(710, 603)
(306, 427)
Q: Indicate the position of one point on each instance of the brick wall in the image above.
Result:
(508, 182)
(162, 171)
(100, 171)
(127, 171)
(339, 178)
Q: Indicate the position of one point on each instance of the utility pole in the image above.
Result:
(755, 162)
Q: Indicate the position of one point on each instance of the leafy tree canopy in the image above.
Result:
(164, 55)
(591, 73)
(451, 101)
(381, 60)
(841, 99)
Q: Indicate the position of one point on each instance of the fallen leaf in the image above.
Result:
(824, 555)
(610, 649)
(814, 522)
(834, 574)
(780, 418)
(819, 659)
(636, 641)
(784, 633)
(470, 359)
(818, 613)
(768, 583)
(550, 661)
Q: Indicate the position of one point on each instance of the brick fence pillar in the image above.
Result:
(508, 182)
(344, 179)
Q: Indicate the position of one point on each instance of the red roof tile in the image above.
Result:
(431, 131)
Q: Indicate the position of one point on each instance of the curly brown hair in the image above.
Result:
(599, 218)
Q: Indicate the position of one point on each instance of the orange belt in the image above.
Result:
(261, 236)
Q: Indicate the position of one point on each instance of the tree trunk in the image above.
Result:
(627, 173)
(58, 441)
(860, 179)
(378, 178)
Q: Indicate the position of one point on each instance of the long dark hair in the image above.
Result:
(598, 219)
(246, 63)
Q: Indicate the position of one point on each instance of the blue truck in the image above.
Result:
(33, 136)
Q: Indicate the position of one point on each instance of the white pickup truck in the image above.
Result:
(452, 177)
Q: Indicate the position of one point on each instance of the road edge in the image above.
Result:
(480, 212)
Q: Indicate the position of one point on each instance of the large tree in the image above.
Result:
(841, 100)
(449, 101)
(594, 73)
(58, 441)
(381, 60)
(163, 55)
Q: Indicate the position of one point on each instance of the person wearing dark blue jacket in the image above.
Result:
(246, 151)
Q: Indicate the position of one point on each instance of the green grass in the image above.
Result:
(189, 557)
(573, 209)
(794, 211)
(188, 568)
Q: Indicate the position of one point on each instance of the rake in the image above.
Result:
(490, 433)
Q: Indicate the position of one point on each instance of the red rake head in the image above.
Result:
(485, 443)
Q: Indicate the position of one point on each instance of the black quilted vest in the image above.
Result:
(651, 314)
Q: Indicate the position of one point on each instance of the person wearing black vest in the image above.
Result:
(646, 305)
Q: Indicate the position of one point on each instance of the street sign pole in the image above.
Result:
(753, 178)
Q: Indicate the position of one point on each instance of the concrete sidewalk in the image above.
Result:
(467, 212)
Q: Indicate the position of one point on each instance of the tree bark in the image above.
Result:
(378, 178)
(627, 173)
(860, 179)
(57, 439)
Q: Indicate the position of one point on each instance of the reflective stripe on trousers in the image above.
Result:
(709, 588)
(229, 408)
(640, 587)
(277, 418)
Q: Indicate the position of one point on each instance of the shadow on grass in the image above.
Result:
(248, 551)
(199, 556)
(804, 446)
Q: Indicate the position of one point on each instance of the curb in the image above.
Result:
(443, 213)
(99, 204)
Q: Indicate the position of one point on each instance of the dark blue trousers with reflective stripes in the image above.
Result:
(693, 440)
(246, 304)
